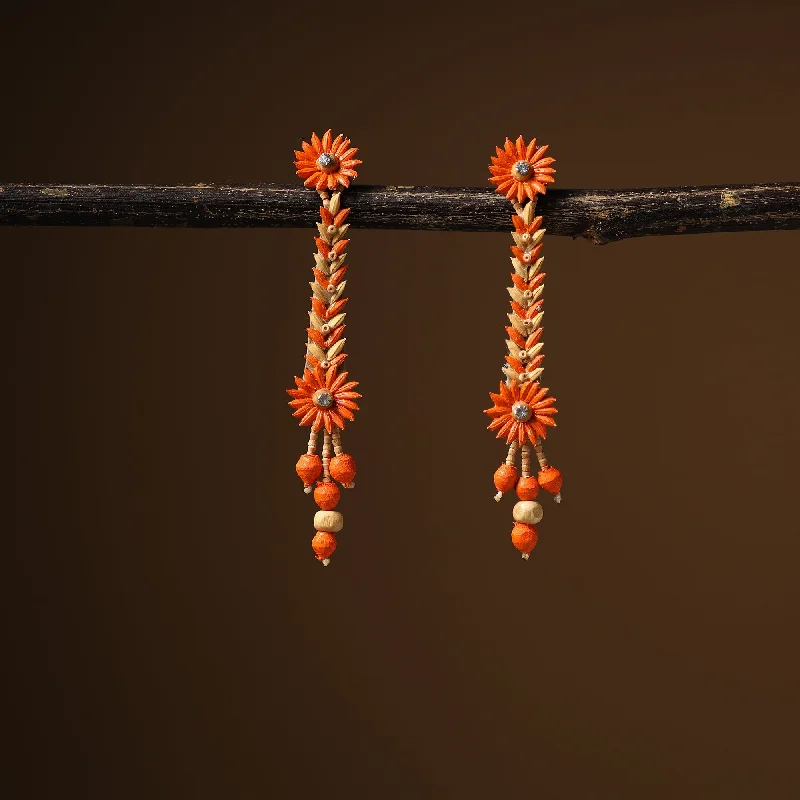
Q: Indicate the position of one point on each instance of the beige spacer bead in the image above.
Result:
(528, 511)
(328, 521)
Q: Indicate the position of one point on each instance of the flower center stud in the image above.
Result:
(521, 170)
(521, 411)
(327, 162)
(323, 398)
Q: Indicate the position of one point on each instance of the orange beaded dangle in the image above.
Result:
(523, 411)
(324, 398)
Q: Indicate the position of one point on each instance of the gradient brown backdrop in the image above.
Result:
(169, 633)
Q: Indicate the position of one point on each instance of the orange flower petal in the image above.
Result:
(309, 416)
(336, 419)
(334, 337)
(540, 394)
(336, 385)
(539, 153)
(347, 413)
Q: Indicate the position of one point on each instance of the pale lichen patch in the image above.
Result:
(729, 200)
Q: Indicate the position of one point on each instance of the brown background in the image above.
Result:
(169, 633)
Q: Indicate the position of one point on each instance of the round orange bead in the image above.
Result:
(505, 477)
(343, 468)
(308, 468)
(324, 544)
(327, 495)
(527, 488)
(550, 480)
(524, 537)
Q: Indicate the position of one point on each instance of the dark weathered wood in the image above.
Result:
(600, 215)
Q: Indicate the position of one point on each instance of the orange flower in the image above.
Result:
(323, 399)
(521, 170)
(521, 412)
(326, 164)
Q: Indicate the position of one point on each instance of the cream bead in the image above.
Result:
(328, 521)
(528, 511)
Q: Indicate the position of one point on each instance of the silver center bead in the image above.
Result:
(521, 411)
(325, 160)
(324, 399)
(522, 168)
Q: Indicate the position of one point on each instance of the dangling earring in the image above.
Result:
(523, 411)
(324, 398)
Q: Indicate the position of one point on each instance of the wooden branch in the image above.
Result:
(599, 215)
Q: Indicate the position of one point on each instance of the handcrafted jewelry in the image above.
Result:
(523, 411)
(323, 397)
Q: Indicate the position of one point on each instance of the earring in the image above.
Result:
(523, 411)
(323, 397)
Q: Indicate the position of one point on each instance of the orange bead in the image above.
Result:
(524, 537)
(324, 544)
(527, 488)
(505, 477)
(327, 495)
(308, 468)
(550, 480)
(343, 468)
